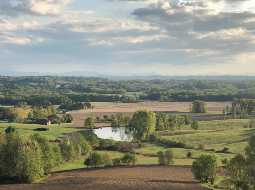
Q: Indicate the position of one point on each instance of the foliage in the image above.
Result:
(194, 125)
(98, 160)
(128, 159)
(74, 146)
(166, 121)
(89, 123)
(67, 118)
(165, 158)
(68, 91)
(204, 168)
(198, 107)
(20, 159)
(237, 171)
(142, 124)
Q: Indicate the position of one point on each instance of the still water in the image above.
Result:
(117, 134)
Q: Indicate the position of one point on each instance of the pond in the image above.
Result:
(117, 134)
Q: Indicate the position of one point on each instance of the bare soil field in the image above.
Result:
(108, 108)
(121, 178)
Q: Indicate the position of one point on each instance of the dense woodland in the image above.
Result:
(67, 90)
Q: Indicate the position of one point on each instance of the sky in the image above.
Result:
(127, 37)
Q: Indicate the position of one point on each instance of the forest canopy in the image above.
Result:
(39, 91)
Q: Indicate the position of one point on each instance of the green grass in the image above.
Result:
(54, 132)
(72, 165)
(212, 134)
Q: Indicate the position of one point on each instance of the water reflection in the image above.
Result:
(117, 134)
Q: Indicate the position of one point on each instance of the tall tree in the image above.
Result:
(142, 124)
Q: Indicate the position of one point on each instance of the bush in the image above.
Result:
(169, 156)
(195, 125)
(171, 144)
(89, 123)
(10, 130)
(165, 158)
(189, 154)
(111, 145)
(129, 159)
(198, 107)
(98, 160)
(204, 168)
(67, 118)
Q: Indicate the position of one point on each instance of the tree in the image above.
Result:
(142, 124)
(67, 150)
(165, 158)
(169, 157)
(161, 158)
(20, 159)
(194, 125)
(237, 171)
(89, 123)
(198, 107)
(204, 168)
(67, 118)
(47, 153)
(250, 154)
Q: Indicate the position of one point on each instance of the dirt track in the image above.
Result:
(137, 178)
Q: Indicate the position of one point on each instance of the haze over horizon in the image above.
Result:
(127, 37)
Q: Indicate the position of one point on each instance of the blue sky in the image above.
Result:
(127, 37)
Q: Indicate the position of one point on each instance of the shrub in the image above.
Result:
(169, 156)
(165, 158)
(195, 125)
(161, 158)
(111, 145)
(67, 118)
(171, 144)
(198, 107)
(10, 130)
(129, 159)
(89, 123)
(189, 154)
(98, 160)
(204, 168)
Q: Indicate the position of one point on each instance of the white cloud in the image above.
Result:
(35, 7)
(129, 40)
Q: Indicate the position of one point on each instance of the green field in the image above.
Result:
(213, 135)
(54, 132)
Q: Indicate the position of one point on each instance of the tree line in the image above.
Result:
(42, 91)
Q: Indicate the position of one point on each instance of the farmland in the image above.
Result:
(149, 178)
(107, 108)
